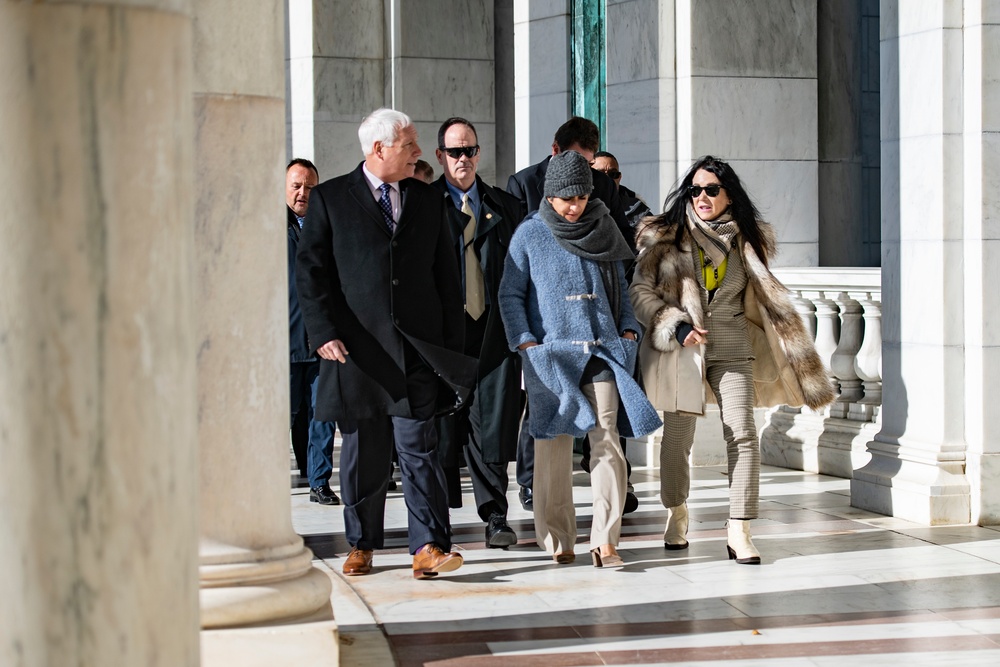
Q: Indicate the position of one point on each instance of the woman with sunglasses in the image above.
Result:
(715, 315)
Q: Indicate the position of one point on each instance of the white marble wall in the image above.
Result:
(918, 458)
(254, 568)
(542, 95)
(746, 92)
(641, 104)
(981, 255)
(431, 60)
(98, 436)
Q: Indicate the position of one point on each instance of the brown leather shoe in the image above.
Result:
(359, 562)
(430, 560)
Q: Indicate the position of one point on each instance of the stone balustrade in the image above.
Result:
(842, 308)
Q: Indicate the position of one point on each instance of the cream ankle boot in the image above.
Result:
(675, 535)
(740, 548)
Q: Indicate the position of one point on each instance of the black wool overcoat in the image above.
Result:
(498, 380)
(375, 291)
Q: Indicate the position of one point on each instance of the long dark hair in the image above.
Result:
(742, 209)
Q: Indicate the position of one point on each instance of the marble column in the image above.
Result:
(752, 101)
(841, 206)
(440, 64)
(542, 94)
(917, 469)
(337, 72)
(98, 436)
(641, 96)
(981, 164)
(254, 568)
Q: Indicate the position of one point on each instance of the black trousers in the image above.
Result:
(365, 468)
(489, 480)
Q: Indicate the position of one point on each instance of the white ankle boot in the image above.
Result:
(675, 535)
(740, 548)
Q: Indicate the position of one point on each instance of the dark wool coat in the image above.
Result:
(374, 291)
(298, 342)
(666, 292)
(498, 380)
(528, 185)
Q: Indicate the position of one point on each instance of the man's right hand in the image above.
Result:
(333, 351)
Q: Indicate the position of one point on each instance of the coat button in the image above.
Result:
(396, 320)
(395, 281)
(395, 244)
(710, 314)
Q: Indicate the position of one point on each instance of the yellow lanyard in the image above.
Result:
(713, 275)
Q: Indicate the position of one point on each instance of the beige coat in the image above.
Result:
(666, 292)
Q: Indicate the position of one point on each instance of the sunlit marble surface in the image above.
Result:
(835, 582)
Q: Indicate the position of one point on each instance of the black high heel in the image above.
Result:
(752, 560)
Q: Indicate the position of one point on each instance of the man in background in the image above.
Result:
(635, 208)
(301, 176)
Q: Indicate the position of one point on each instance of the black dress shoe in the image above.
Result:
(525, 496)
(631, 503)
(323, 495)
(499, 535)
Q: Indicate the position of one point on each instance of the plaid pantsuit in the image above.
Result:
(729, 372)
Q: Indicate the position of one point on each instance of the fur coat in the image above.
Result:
(557, 299)
(666, 292)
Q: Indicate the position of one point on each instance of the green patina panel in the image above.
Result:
(588, 61)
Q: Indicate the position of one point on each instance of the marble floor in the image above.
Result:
(836, 585)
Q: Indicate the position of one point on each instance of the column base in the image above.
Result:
(255, 590)
(923, 491)
(315, 643)
(983, 472)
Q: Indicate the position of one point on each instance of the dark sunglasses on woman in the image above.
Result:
(711, 190)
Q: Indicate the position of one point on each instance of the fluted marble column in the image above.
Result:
(98, 439)
(254, 568)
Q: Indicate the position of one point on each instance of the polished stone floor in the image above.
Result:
(837, 585)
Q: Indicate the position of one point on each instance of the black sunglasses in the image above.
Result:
(613, 174)
(711, 190)
(458, 151)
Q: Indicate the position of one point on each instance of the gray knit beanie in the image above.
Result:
(568, 175)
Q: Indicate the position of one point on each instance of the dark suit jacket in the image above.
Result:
(528, 185)
(498, 381)
(377, 292)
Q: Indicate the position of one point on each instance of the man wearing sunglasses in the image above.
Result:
(635, 208)
(482, 220)
(580, 135)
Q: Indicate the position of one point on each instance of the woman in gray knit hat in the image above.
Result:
(565, 306)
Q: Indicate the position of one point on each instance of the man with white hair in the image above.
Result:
(381, 296)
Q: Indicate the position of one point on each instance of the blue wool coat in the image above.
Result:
(557, 299)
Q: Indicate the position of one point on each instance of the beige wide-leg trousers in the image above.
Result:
(732, 383)
(555, 515)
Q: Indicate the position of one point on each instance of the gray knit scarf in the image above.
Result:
(714, 237)
(596, 237)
